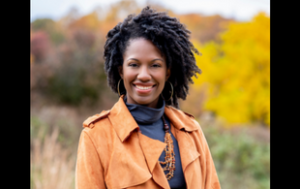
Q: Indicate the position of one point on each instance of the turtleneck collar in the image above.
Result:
(146, 115)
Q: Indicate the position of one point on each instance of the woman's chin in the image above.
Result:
(146, 101)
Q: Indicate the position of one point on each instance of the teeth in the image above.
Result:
(143, 88)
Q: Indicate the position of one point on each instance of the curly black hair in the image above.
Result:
(168, 35)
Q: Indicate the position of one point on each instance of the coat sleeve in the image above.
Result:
(211, 177)
(89, 171)
(212, 181)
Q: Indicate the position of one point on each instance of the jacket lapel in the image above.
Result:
(125, 127)
(122, 120)
(181, 125)
(152, 150)
(187, 148)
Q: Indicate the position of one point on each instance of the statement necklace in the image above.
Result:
(169, 163)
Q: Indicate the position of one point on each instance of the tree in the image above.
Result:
(53, 30)
(237, 72)
(40, 45)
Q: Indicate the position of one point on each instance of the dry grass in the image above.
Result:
(51, 165)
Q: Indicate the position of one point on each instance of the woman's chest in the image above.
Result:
(134, 163)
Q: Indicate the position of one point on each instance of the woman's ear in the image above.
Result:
(120, 69)
(168, 74)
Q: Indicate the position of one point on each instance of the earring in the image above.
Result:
(118, 87)
(172, 90)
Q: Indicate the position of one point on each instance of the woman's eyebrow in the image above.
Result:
(132, 59)
(151, 60)
(157, 59)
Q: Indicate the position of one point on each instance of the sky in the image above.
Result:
(241, 10)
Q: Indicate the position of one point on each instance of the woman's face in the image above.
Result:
(144, 72)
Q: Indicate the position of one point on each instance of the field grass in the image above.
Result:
(51, 165)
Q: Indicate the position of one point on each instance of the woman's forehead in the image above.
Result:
(141, 48)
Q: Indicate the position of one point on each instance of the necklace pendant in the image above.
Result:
(169, 149)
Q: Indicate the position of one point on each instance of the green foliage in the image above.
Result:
(43, 24)
(240, 160)
(79, 76)
(75, 70)
(68, 86)
(52, 28)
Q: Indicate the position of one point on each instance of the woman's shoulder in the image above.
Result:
(90, 121)
(178, 115)
(190, 123)
(97, 126)
(180, 112)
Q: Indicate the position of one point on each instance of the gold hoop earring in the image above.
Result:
(172, 91)
(118, 87)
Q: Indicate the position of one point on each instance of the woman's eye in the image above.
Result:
(133, 65)
(155, 65)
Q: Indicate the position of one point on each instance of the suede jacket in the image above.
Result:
(113, 154)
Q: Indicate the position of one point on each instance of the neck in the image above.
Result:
(145, 114)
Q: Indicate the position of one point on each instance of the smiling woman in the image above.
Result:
(144, 72)
(144, 140)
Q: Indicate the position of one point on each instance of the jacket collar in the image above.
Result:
(124, 123)
(180, 120)
(122, 120)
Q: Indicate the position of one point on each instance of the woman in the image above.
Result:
(145, 141)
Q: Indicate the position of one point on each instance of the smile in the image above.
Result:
(143, 87)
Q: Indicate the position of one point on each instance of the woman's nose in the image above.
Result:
(144, 74)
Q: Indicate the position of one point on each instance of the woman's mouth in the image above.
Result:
(143, 88)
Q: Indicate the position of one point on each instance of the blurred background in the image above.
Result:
(230, 99)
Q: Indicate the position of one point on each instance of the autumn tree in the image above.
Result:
(236, 72)
(53, 30)
(204, 28)
(40, 44)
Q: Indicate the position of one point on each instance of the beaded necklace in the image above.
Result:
(169, 162)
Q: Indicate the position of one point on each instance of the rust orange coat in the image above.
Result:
(113, 154)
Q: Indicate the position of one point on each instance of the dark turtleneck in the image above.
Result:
(151, 125)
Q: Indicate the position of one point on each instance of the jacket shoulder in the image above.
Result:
(181, 112)
(189, 121)
(190, 115)
(89, 122)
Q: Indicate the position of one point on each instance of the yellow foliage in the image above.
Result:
(237, 72)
